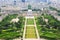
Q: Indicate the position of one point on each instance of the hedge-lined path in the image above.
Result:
(30, 26)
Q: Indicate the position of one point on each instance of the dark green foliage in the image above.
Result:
(41, 21)
(10, 30)
(52, 8)
(50, 31)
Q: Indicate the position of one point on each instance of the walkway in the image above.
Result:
(31, 31)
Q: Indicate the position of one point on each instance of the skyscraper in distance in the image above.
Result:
(23, 0)
(14, 2)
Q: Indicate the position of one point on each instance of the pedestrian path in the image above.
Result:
(30, 30)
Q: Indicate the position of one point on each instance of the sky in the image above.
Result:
(11, 1)
(25, 0)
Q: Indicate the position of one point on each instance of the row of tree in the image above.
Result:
(52, 27)
(10, 30)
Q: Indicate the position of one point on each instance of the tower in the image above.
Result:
(23, 1)
(14, 2)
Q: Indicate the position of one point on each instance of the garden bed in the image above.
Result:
(51, 30)
(30, 32)
(30, 22)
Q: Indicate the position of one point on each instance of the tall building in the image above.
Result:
(23, 0)
(14, 2)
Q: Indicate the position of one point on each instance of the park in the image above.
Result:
(29, 21)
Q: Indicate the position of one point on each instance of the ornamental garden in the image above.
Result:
(12, 27)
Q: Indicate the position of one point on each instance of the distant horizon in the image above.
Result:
(34, 1)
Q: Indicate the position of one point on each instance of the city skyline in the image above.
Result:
(36, 1)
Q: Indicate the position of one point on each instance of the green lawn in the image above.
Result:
(9, 35)
(9, 30)
(30, 21)
(30, 32)
(46, 31)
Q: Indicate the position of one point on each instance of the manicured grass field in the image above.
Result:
(30, 32)
(30, 21)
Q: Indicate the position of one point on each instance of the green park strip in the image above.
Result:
(10, 30)
(30, 21)
(30, 32)
(48, 31)
(9, 35)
